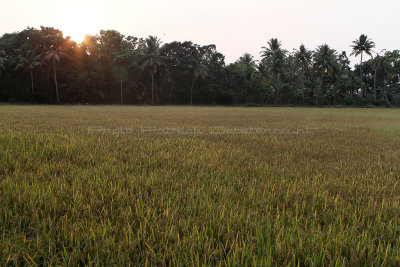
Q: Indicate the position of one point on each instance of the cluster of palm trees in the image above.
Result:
(321, 63)
(152, 60)
(151, 70)
(32, 59)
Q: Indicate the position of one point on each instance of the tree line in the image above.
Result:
(43, 66)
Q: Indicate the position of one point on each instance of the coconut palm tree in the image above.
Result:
(360, 46)
(197, 70)
(247, 60)
(273, 45)
(275, 60)
(247, 65)
(152, 60)
(28, 63)
(54, 56)
(277, 65)
(324, 65)
(303, 59)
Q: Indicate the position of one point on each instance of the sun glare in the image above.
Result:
(77, 31)
(75, 36)
(77, 26)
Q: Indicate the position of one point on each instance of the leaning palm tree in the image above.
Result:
(324, 65)
(29, 62)
(303, 59)
(197, 70)
(152, 60)
(360, 46)
(54, 56)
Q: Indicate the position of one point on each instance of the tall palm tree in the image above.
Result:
(360, 46)
(324, 64)
(275, 59)
(278, 65)
(303, 58)
(152, 60)
(344, 75)
(54, 56)
(197, 70)
(29, 62)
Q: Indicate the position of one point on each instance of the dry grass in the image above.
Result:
(69, 197)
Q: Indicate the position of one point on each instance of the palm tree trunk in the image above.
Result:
(392, 94)
(122, 99)
(336, 97)
(318, 90)
(55, 81)
(386, 98)
(351, 89)
(191, 92)
(33, 91)
(302, 87)
(361, 75)
(152, 88)
(170, 96)
(277, 91)
(155, 91)
(375, 84)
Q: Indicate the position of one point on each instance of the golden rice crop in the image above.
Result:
(116, 185)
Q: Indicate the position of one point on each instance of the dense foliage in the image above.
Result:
(42, 66)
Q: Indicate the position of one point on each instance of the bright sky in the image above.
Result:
(235, 26)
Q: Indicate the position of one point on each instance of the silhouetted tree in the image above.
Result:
(303, 58)
(324, 64)
(152, 60)
(54, 56)
(196, 70)
(29, 62)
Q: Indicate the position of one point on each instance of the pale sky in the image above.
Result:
(234, 26)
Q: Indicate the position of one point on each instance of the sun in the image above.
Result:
(77, 31)
(76, 36)
(78, 25)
